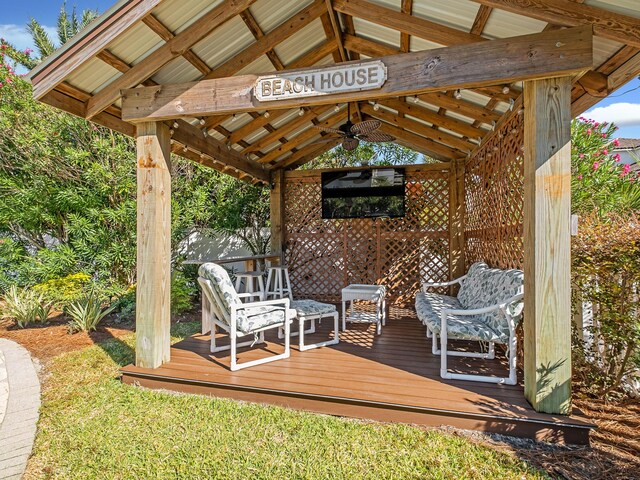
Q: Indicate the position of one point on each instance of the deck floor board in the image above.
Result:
(362, 376)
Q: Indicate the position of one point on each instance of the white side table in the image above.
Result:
(371, 293)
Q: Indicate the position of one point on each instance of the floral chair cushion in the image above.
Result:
(482, 287)
(307, 308)
(221, 283)
(429, 306)
(255, 318)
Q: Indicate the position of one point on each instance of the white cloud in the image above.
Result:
(622, 114)
(19, 36)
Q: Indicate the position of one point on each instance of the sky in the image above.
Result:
(622, 107)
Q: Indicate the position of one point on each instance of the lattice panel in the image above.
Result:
(326, 255)
(494, 197)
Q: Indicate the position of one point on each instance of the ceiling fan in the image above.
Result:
(352, 133)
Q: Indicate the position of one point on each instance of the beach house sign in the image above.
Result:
(321, 81)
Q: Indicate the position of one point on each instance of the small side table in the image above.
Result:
(371, 293)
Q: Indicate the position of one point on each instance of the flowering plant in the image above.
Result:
(599, 182)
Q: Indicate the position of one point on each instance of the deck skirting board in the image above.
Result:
(553, 430)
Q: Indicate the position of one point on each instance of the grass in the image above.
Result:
(92, 426)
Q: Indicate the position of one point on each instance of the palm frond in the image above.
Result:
(41, 38)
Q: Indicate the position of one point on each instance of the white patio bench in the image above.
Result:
(488, 308)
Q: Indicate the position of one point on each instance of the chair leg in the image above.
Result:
(336, 333)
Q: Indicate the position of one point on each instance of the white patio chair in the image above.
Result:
(242, 319)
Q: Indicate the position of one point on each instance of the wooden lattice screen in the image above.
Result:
(326, 255)
(494, 198)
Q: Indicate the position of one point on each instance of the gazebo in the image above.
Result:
(486, 87)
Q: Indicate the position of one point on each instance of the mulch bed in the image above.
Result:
(615, 445)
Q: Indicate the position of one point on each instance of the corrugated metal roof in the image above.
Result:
(231, 38)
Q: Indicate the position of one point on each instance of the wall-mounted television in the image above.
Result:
(369, 193)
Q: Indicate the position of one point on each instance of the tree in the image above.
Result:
(68, 25)
(599, 183)
(376, 154)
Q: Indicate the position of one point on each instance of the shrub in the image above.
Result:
(62, 291)
(25, 307)
(606, 273)
(125, 305)
(182, 292)
(86, 312)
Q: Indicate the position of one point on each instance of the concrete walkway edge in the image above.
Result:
(18, 427)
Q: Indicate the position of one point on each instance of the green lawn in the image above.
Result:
(92, 426)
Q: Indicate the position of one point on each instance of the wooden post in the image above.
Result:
(547, 247)
(456, 220)
(277, 214)
(153, 292)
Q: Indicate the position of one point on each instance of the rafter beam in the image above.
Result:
(163, 55)
(303, 137)
(482, 17)
(163, 32)
(86, 45)
(306, 154)
(433, 118)
(190, 136)
(269, 41)
(418, 27)
(418, 143)
(560, 52)
(337, 31)
(405, 39)
(607, 24)
(446, 139)
(256, 31)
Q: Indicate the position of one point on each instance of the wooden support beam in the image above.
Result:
(187, 134)
(277, 213)
(163, 55)
(153, 287)
(456, 220)
(547, 244)
(367, 47)
(555, 53)
(607, 24)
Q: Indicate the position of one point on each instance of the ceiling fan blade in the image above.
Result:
(328, 129)
(377, 137)
(350, 143)
(363, 128)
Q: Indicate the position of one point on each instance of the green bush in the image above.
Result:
(125, 305)
(25, 307)
(63, 291)
(85, 313)
(183, 292)
(606, 273)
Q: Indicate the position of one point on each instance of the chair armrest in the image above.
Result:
(264, 303)
(426, 285)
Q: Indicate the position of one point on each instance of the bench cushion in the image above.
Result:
(462, 327)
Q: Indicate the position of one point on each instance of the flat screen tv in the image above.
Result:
(370, 193)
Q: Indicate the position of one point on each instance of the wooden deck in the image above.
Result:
(390, 377)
